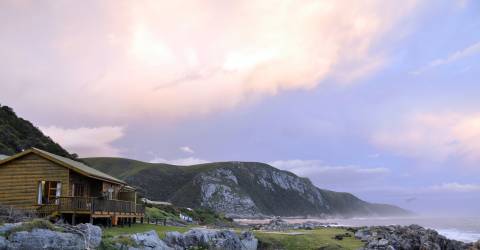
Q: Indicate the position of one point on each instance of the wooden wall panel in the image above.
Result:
(19, 180)
(93, 186)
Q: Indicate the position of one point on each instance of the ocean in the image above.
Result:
(466, 229)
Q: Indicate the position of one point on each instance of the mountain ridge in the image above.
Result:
(238, 189)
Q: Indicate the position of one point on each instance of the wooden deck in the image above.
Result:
(94, 207)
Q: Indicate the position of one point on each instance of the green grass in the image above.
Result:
(311, 239)
(140, 228)
(114, 235)
(156, 213)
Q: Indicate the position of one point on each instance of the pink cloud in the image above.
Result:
(434, 136)
(176, 59)
(87, 142)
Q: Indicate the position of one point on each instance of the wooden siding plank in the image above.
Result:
(19, 179)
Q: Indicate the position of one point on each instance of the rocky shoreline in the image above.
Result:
(40, 234)
(277, 224)
(380, 237)
(408, 237)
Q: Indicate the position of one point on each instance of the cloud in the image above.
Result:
(177, 59)
(187, 149)
(457, 55)
(181, 162)
(87, 142)
(337, 177)
(455, 187)
(433, 136)
(375, 155)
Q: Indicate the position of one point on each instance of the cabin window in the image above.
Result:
(48, 191)
(78, 190)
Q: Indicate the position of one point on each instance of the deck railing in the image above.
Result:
(89, 204)
(140, 208)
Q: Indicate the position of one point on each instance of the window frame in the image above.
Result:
(48, 191)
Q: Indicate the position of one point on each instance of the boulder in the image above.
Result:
(211, 239)
(83, 236)
(3, 243)
(8, 226)
(92, 234)
(248, 240)
(45, 239)
(148, 240)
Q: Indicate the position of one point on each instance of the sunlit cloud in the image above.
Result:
(181, 161)
(455, 187)
(87, 142)
(177, 59)
(187, 149)
(434, 137)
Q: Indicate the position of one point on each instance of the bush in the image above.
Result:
(29, 226)
(9, 214)
(111, 243)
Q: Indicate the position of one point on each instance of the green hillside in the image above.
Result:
(237, 188)
(17, 134)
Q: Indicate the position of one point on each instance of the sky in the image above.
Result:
(377, 98)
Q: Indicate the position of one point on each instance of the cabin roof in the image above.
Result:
(76, 166)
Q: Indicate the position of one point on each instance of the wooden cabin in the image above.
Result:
(50, 184)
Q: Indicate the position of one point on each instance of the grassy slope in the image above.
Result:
(156, 180)
(311, 239)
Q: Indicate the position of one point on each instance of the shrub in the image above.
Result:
(29, 226)
(111, 243)
(9, 214)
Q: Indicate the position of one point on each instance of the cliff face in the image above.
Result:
(240, 189)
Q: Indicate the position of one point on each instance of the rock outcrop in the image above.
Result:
(45, 239)
(148, 240)
(83, 236)
(193, 239)
(406, 237)
(212, 239)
